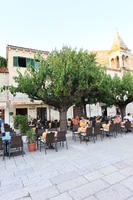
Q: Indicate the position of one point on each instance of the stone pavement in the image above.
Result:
(99, 171)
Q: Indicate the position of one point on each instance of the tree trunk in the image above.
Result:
(122, 111)
(63, 119)
(84, 108)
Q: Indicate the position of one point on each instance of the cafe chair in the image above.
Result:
(2, 148)
(16, 144)
(49, 142)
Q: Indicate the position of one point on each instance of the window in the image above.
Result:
(117, 61)
(123, 60)
(24, 62)
(112, 62)
(21, 62)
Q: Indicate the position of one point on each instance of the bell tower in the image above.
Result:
(119, 54)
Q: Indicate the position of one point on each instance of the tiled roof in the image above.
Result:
(26, 49)
(3, 70)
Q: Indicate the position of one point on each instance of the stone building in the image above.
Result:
(4, 96)
(115, 61)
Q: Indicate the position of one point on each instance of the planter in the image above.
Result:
(24, 138)
(17, 131)
(32, 147)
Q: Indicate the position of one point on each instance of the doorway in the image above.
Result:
(2, 114)
(21, 111)
(42, 114)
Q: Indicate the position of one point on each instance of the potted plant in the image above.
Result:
(21, 125)
(31, 140)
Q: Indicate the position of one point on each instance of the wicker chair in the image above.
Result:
(75, 132)
(50, 140)
(38, 134)
(16, 144)
(89, 134)
(128, 126)
(61, 138)
(2, 148)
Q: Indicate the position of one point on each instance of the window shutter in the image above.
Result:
(32, 62)
(15, 61)
(28, 62)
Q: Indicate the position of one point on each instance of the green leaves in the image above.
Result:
(3, 62)
(117, 91)
(61, 79)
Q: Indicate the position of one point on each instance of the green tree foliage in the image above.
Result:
(60, 80)
(117, 91)
(3, 62)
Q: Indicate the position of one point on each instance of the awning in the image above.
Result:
(17, 102)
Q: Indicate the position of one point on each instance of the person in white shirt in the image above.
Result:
(129, 117)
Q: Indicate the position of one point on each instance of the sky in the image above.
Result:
(50, 24)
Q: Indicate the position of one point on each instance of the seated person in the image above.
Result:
(46, 132)
(83, 122)
(117, 119)
(82, 129)
(106, 126)
(75, 121)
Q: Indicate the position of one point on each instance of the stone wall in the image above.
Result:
(4, 81)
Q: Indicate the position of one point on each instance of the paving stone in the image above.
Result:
(108, 170)
(44, 194)
(88, 189)
(131, 198)
(84, 171)
(24, 198)
(115, 192)
(121, 165)
(128, 183)
(64, 177)
(93, 176)
(14, 195)
(113, 178)
(90, 198)
(128, 171)
(65, 186)
(64, 196)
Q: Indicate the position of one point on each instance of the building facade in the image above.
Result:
(115, 61)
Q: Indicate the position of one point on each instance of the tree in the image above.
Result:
(117, 91)
(3, 62)
(91, 95)
(60, 80)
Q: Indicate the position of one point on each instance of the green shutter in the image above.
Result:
(15, 61)
(28, 62)
(32, 62)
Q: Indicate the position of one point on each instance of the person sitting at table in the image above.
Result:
(2, 129)
(117, 119)
(47, 132)
(106, 126)
(82, 129)
(75, 121)
(83, 122)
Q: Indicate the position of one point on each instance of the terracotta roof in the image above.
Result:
(3, 70)
(26, 49)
